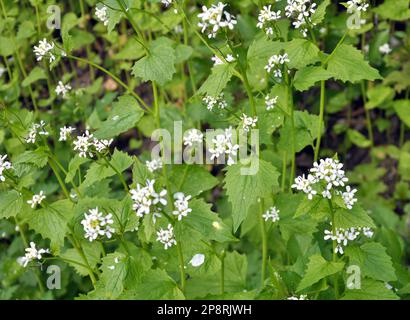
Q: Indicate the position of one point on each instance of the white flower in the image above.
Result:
(166, 237)
(215, 18)
(211, 102)
(385, 49)
(348, 197)
(32, 253)
(4, 165)
(194, 136)
(305, 185)
(357, 5)
(217, 60)
(145, 198)
(344, 236)
(301, 11)
(181, 205)
(154, 164)
(266, 15)
(367, 232)
(36, 129)
(270, 102)
(96, 224)
(167, 2)
(62, 89)
(272, 213)
(222, 145)
(275, 63)
(197, 260)
(44, 48)
(102, 145)
(65, 132)
(301, 297)
(102, 15)
(230, 58)
(248, 122)
(83, 144)
(36, 199)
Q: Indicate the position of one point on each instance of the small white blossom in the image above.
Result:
(36, 129)
(193, 136)
(217, 60)
(223, 145)
(248, 122)
(167, 2)
(214, 18)
(166, 237)
(344, 236)
(65, 133)
(62, 89)
(357, 5)
(36, 199)
(4, 165)
(275, 63)
(271, 214)
(385, 48)
(270, 102)
(348, 197)
(181, 205)
(301, 11)
(265, 17)
(301, 297)
(83, 144)
(43, 49)
(96, 224)
(32, 253)
(218, 101)
(154, 165)
(146, 198)
(197, 260)
(102, 14)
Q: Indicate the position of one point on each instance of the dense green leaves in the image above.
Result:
(217, 80)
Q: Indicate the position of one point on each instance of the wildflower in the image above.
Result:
(217, 60)
(4, 165)
(197, 260)
(385, 49)
(344, 236)
(102, 14)
(222, 144)
(215, 18)
(181, 205)
(275, 63)
(43, 49)
(83, 144)
(248, 122)
(272, 213)
(266, 16)
(348, 197)
(32, 253)
(270, 102)
(36, 199)
(167, 2)
(102, 145)
(145, 198)
(62, 89)
(218, 101)
(301, 297)
(166, 237)
(301, 11)
(357, 5)
(36, 129)
(154, 164)
(194, 136)
(65, 133)
(95, 224)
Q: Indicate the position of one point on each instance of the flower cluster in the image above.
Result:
(275, 63)
(222, 144)
(154, 165)
(328, 178)
(96, 224)
(357, 5)
(166, 237)
(248, 122)
(146, 199)
(36, 199)
(62, 89)
(218, 101)
(265, 17)
(301, 11)
(272, 213)
(65, 133)
(218, 61)
(385, 48)
(181, 205)
(4, 165)
(36, 129)
(215, 18)
(43, 49)
(32, 253)
(193, 136)
(102, 14)
(301, 297)
(343, 236)
(270, 102)
(86, 144)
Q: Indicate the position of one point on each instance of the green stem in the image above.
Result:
(367, 113)
(334, 244)
(59, 179)
(289, 98)
(222, 257)
(321, 115)
(181, 266)
(284, 166)
(264, 242)
(124, 183)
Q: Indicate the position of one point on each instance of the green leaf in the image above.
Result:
(187, 178)
(356, 217)
(244, 190)
(317, 269)
(51, 222)
(125, 114)
(36, 74)
(358, 139)
(217, 80)
(348, 64)
(182, 53)
(140, 173)
(378, 96)
(397, 10)
(320, 13)
(308, 76)
(73, 166)
(301, 53)
(7, 46)
(10, 204)
(158, 66)
(92, 252)
(370, 290)
(38, 157)
(373, 261)
(402, 108)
